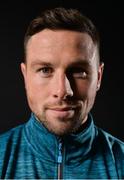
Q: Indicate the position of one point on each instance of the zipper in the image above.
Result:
(60, 160)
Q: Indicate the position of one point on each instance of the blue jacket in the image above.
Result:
(30, 151)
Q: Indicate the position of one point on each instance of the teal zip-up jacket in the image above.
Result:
(30, 151)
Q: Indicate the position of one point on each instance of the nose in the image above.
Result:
(63, 89)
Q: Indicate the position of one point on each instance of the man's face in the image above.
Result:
(62, 75)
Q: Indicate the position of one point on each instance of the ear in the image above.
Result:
(24, 72)
(100, 74)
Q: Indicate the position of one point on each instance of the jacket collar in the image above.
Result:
(46, 145)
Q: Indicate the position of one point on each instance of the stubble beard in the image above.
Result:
(62, 126)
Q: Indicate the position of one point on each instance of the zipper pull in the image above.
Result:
(60, 153)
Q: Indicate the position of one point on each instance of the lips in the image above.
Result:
(62, 112)
(62, 109)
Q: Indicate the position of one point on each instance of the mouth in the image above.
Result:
(62, 108)
(62, 112)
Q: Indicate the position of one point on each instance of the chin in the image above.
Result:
(60, 126)
(61, 132)
(63, 128)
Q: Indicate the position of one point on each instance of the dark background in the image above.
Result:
(109, 19)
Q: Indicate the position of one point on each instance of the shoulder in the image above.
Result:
(11, 136)
(12, 131)
(107, 140)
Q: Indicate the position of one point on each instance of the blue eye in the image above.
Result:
(45, 71)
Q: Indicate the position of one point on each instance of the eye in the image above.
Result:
(78, 72)
(45, 71)
(82, 75)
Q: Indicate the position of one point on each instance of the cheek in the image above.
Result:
(81, 89)
(37, 90)
(85, 90)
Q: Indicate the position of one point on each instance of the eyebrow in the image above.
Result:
(81, 62)
(39, 63)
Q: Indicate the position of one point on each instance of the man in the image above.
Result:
(62, 74)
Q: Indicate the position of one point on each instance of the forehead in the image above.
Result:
(61, 44)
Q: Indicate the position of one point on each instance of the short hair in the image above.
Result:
(62, 19)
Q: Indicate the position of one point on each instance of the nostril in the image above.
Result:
(55, 95)
(67, 97)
